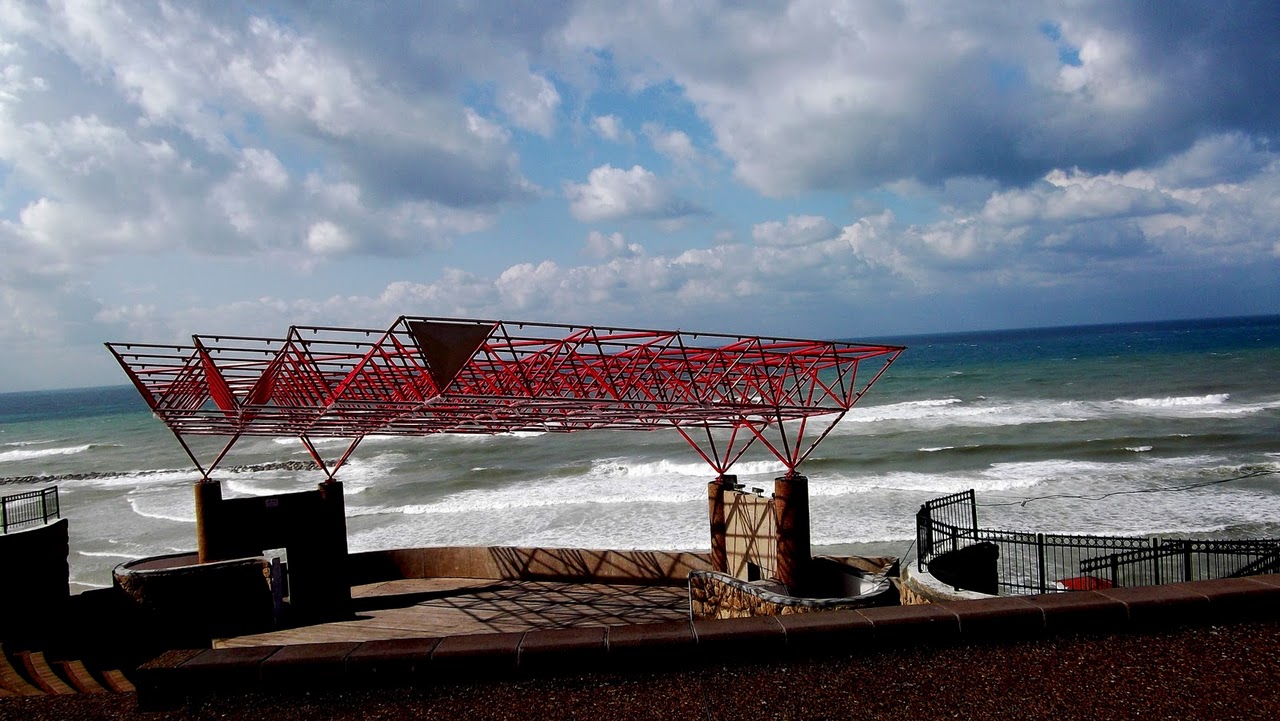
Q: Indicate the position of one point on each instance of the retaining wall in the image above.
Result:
(668, 568)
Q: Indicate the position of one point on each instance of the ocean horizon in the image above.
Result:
(1152, 428)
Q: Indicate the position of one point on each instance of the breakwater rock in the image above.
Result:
(91, 475)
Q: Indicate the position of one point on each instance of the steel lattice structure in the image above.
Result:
(440, 375)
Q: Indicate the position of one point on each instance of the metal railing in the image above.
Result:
(33, 506)
(1047, 562)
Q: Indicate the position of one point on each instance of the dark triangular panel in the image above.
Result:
(447, 347)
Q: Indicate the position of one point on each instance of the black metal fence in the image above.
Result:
(1046, 562)
(33, 506)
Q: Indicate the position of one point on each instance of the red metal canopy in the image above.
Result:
(440, 375)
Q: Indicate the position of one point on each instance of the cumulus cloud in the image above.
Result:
(919, 158)
(675, 145)
(533, 105)
(809, 95)
(599, 245)
(197, 112)
(796, 231)
(611, 127)
(614, 194)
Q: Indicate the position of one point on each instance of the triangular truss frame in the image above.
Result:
(427, 375)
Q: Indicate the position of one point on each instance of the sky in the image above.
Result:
(808, 169)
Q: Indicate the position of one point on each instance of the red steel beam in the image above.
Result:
(428, 375)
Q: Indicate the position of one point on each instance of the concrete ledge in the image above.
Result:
(1153, 607)
(998, 618)
(309, 663)
(913, 625)
(224, 668)
(1080, 612)
(563, 650)
(1236, 599)
(181, 674)
(828, 632)
(651, 644)
(736, 637)
(396, 660)
(480, 656)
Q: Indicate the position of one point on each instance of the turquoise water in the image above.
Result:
(1069, 412)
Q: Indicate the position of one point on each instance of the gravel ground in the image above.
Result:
(1225, 672)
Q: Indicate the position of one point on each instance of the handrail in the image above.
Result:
(1045, 563)
(30, 507)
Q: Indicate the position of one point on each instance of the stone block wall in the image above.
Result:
(716, 595)
(918, 587)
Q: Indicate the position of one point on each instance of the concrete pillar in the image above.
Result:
(208, 497)
(719, 524)
(791, 515)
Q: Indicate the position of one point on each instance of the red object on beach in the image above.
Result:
(1084, 583)
(427, 375)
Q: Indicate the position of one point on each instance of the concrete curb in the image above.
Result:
(178, 675)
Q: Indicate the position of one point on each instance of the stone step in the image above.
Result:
(79, 677)
(38, 670)
(117, 682)
(12, 681)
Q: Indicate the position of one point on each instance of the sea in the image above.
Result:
(1169, 429)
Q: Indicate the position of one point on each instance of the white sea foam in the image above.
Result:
(939, 413)
(164, 506)
(110, 554)
(26, 455)
(1138, 449)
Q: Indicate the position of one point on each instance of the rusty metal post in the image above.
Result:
(208, 496)
(791, 514)
(719, 524)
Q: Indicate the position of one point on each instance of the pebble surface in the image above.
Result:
(1212, 672)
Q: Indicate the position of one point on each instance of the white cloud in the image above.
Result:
(614, 194)
(326, 238)
(599, 245)
(610, 127)
(533, 105)
(675, 145)
(797, 230)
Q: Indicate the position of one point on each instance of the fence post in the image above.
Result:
(1115, 571)
(1186, 560)
(973, 506)
(1040, 553)
(1155, 561)
(4, 514)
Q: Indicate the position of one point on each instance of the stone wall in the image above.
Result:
(718, 595)
(918, 587)
(518, 563)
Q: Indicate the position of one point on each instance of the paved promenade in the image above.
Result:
(423, 607)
